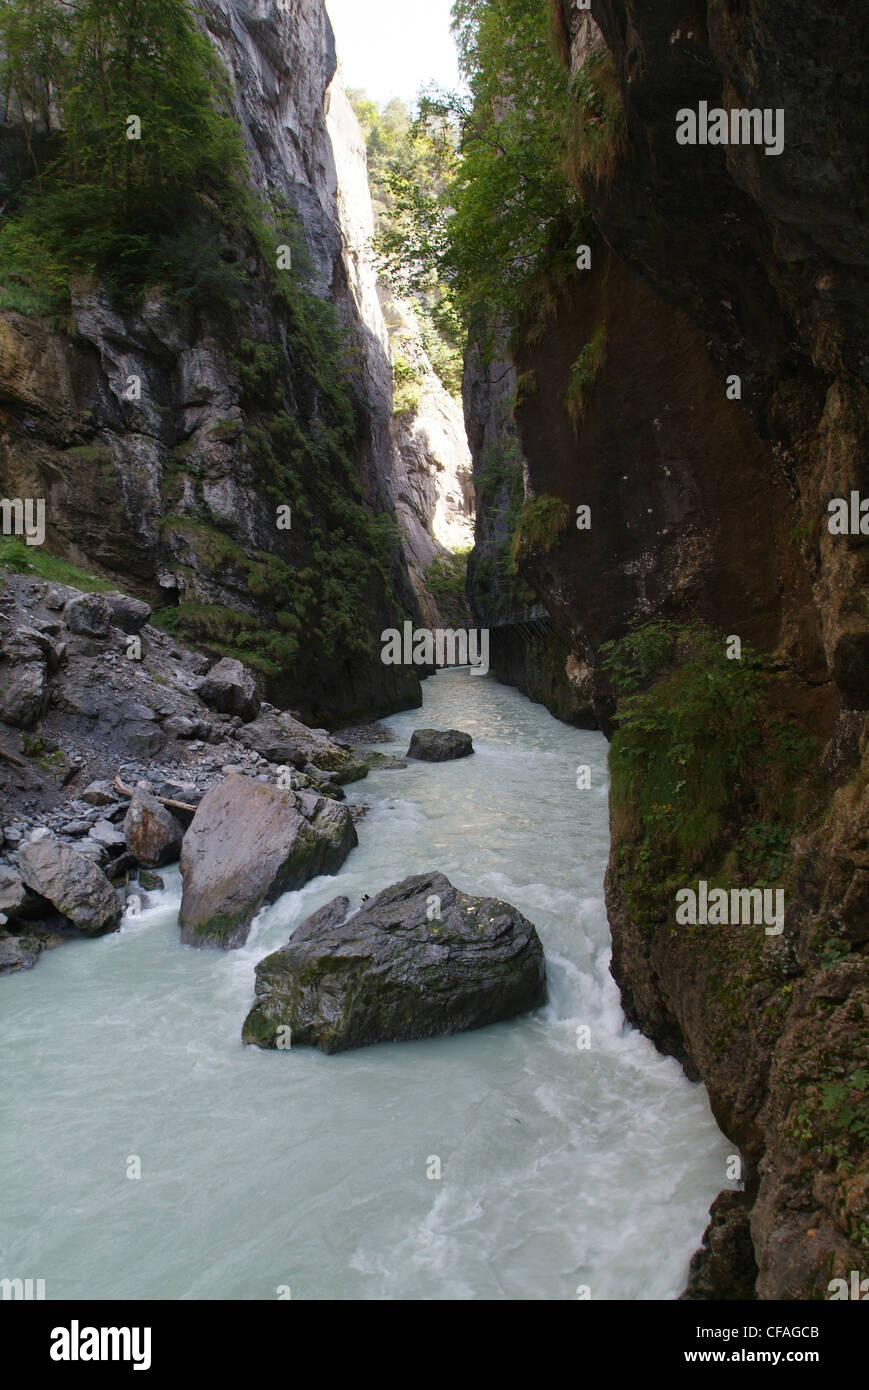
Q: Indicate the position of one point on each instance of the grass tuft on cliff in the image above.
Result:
(542, 522)
(584, 373)
(598, 130)
(20, 558)
(701, 750)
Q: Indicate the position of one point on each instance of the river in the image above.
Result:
(275, 1174)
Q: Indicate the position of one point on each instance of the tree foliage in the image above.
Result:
(505, 211)
(93, 199)
(409, 165)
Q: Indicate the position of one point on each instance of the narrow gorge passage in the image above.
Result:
(560, 1167)
(347, 346)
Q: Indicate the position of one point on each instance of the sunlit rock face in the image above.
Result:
(432, 469)
(426, 449)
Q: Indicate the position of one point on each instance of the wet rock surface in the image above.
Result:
(439, 745)
(420, 959)
(71, 882)
(247, 844)
(151, 832)
(116, 737)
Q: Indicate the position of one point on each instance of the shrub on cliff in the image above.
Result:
(141, 162)
(446, 580)
(700, 746)
(542, 522)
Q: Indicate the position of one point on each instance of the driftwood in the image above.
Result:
(164, 801)
(11, 758)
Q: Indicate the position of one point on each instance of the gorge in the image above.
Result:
(632, 513)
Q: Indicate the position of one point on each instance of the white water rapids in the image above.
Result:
(261, 1171)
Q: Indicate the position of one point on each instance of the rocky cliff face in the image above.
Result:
(712, 263)
(424, 451)
(432, 476)
(529, 646)
(165, 442)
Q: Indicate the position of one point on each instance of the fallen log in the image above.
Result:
(11, 758)
(164, 801)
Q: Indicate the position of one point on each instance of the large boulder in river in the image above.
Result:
(71, 882)
(248, 843)
(151, 831)
(230, 688)
(420, 959)
(439, 745)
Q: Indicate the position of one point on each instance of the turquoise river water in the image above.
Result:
(562, 1168)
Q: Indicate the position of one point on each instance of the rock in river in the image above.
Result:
(248, 843)
(439, 745)
(420, 959)
(70, 882)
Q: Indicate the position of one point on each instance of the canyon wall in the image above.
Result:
(174, 495)
(429, 464)
(708, 264)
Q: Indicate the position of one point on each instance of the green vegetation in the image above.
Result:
(407, 386)
(584, 374)
(408, 164)
(91, 200)
(495, 212)
(20, 558)
(598, 129)
(832, 1118)
(46, 755)
(446, 580)
(301, 438)
(542, 522)
(501, 494)
(701, 751)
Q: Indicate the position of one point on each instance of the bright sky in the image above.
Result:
(393, 47)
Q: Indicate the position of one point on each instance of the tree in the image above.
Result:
(505, 210)
(144, 144)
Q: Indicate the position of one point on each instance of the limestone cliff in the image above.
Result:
(164, 441)
(422, 447)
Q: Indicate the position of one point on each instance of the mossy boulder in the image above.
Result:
(421, 959)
